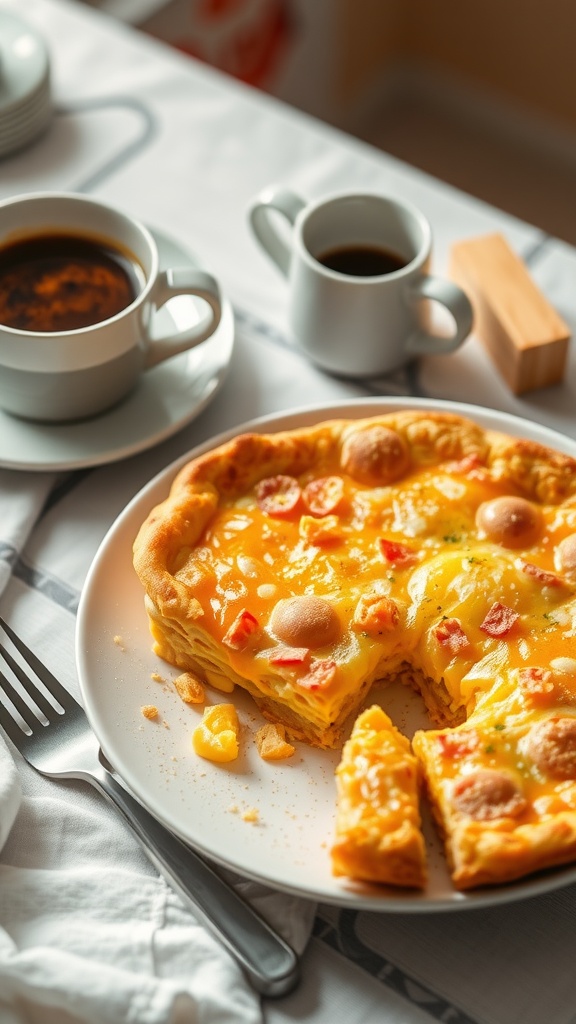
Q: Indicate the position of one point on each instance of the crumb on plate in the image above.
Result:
(272, 744)
(251, 815)
(189, 688)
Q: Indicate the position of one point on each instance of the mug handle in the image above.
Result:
(280, 200)
(183, 281)
(457, 303)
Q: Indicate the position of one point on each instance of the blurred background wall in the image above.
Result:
(520, 51)
(481, 95)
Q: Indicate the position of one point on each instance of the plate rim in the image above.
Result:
(416, 902)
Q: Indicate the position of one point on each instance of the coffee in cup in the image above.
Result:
(63, 282)
(362, 260)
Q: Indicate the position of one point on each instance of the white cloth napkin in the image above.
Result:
(20, 508)
(10, 793)
(89, 934)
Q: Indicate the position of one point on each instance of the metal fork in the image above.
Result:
(59, 743)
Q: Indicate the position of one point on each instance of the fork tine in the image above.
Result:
(64, 698)
(28, 683)
(14, 731)
(22, 707)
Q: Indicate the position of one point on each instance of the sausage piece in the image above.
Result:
(551, 745)
(488, 794)
(510, 521)
(375, 456)
(305, 622)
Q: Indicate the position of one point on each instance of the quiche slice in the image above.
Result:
(304, 565)
(503, 786)
(378, 828)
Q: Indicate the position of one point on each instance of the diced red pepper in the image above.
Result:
(534, 676)
(278, 496)
(450, 634)
(324, 495)
(375, 614)
(536, 683)
(397, 554)
(321, 531)
(282, 655)
(468, 464)
(499, 621)
(319, 675)
(547, 579)
(240, 631)
(458, 744)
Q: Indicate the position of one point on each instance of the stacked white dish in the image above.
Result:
(25, 93)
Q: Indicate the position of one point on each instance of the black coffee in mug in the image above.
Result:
(62, 282)
(362, 260)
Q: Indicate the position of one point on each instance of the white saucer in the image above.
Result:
(27, 129)
(166, 399)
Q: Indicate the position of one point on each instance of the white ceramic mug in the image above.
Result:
(354, 323)
(60, 375)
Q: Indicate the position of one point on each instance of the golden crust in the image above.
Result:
(492, 856)
(459, 611)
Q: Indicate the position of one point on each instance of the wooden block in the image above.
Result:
(525, 337)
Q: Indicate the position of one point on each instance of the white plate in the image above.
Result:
(165, 399)
(203, 802)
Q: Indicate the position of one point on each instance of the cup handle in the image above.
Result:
(280, 200)
(183, 281)
(457, 303)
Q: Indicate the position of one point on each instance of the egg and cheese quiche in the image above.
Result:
(304, 565)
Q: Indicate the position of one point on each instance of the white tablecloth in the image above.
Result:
(88, 932)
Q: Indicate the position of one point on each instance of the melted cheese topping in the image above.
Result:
(398, 567)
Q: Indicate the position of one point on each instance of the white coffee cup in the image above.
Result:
(356, 323)
(60, 374)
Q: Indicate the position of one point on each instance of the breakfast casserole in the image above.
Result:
(305, 565)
